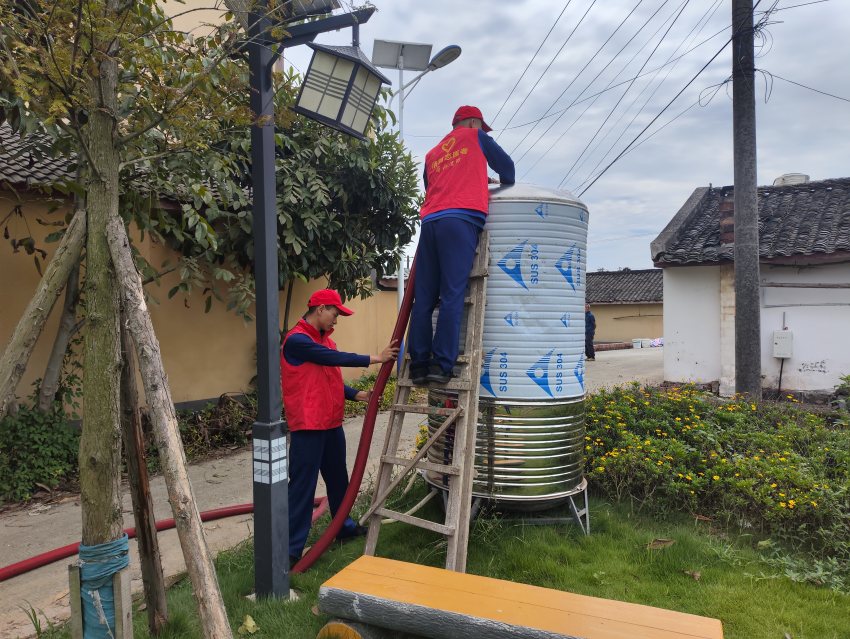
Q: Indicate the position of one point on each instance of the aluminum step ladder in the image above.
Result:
(459, 427)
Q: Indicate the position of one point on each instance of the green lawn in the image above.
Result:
(613, 562)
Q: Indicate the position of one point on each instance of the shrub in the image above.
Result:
(772, 469)
(225, 424)
(36, 449)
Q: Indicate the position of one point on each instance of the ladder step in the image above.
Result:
(459, 383)
(422, 409)
(422, 464)
(448, 531)
(479, 273)
(461, 359)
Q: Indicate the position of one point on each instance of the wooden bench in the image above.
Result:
(440, 604)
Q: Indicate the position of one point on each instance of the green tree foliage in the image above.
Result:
(345, 207)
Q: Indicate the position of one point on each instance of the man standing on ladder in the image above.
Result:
(453, 215)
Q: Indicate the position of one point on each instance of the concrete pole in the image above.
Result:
(747, 302)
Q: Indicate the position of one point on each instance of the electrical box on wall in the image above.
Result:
(783, 344)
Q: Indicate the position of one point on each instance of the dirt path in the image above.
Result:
(216, 483)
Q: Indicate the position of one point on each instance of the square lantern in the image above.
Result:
(340, 89)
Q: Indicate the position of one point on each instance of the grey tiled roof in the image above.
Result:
(810, 219)
(625, 287)
(21, 166)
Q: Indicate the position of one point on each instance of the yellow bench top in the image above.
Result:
(413, 588)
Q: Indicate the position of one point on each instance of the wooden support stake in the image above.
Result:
(13, 361)
(199, 565)
(123, 604)
(140, 490)
(75, 592)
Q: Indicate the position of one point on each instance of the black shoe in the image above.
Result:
(439, 376)
(419, 374)
(351, 533)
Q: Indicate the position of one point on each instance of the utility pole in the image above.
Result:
(747, 303)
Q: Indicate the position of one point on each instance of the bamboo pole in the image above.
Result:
(140, 489)
(211, 611)
(15, 356)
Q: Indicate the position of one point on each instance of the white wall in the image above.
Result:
(819, 319)
(692, 324)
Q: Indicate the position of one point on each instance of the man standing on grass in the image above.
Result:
(314, 402)
(453, 214)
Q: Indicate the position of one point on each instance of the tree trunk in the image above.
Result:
(140, 490)
(53, 370)
(13, 362)
(100, 444)
(173, 459)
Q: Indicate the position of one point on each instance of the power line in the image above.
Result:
(596, 77)
(628, 88)
(698, 102)
(690, 82)
(613, 86)
(587, 64)
(559, 112)
(795, 6)
(803, 86)
(569, 37)
(675, 97)
(695, 30)
(437, 136)
(522, 75)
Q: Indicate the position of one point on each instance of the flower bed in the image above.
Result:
(773, 469)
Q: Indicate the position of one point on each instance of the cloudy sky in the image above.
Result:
(596, 45)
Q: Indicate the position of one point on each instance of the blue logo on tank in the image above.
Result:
(542, 210)
(511, 263)
(485, 375)
(569, 265)
(565, 320)
(512, 319)
(539, 372)
(579, 372)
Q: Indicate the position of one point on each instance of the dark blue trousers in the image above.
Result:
(443, 262)
(312, 452)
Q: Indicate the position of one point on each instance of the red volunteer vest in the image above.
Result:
(457, 174)
(313, 395)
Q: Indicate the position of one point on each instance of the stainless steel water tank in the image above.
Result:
(530, 442)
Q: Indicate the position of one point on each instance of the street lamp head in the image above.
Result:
(444, 56)
(340, 89)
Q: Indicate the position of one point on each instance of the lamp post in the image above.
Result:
(340, 89)
(409, 56)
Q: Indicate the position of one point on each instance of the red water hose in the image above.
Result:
(320, 505)
(333, 529)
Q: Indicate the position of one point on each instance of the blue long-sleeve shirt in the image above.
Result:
(299, 348)
(589, 324)
(498, 160)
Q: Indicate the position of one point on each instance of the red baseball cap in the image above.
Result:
(467, 111)
(328, 297)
